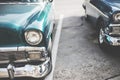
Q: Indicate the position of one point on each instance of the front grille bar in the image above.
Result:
(24, 48)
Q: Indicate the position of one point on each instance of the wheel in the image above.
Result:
(101, 42)
(101, 38)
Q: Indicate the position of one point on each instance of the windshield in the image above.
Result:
(116, 1)
(29, 1)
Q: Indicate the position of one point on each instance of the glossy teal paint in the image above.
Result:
(17, 14)
(113, 4)
(16, 19)
(41, 20)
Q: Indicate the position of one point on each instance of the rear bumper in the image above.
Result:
(28, 70)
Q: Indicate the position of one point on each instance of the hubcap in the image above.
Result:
(101, 36)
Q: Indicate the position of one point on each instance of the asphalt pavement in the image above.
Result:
(79, 56)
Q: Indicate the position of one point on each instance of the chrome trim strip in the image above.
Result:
(114, 25)
(97, 9)
(24, 48)
(26, 3)
(19, 61)
(7, 61)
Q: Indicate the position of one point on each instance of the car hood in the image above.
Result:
(18, 15)
(114, 6)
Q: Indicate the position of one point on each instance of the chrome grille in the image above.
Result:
(16, 55)
(115, 32)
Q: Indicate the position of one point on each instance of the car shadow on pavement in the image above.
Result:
(77, 27)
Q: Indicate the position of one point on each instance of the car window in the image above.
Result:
(2, 1)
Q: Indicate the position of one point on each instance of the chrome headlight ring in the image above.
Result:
(33, 37)
(116, 17)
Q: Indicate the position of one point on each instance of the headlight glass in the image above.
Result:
(116, 17)
(33, 37)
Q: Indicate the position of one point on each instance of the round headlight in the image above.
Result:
(33, 37)
(116, 17)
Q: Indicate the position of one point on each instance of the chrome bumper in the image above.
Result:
(35, 71)
(113, 40)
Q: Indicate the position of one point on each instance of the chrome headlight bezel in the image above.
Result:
(33, 37)
(116, 17)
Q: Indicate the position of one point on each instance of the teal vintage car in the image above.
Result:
(26, 28)
(105, 15)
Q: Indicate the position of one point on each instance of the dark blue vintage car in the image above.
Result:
(105, 14)
(26, 28)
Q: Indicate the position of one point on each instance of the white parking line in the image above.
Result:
(55, 47)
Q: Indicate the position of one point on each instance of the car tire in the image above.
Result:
(101, 41)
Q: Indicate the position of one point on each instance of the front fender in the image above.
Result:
(42, 22)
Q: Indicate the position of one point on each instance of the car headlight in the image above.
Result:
(33, 37)
(116, 17)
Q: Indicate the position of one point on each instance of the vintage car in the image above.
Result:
(26, 28)
(105, 15)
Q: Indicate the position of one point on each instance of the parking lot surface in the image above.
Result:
(79, 56)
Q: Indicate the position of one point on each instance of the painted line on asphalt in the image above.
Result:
(55, 47)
